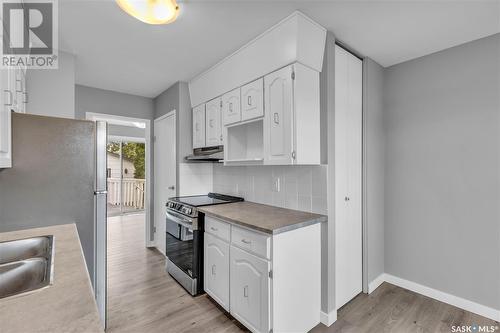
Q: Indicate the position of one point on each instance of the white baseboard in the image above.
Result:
(376, 283)
(328, 319)
(459, 302)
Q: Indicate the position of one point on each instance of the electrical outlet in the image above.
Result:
(276, 184)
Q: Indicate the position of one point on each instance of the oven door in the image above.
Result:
(180, 243)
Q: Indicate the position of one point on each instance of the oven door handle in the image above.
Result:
(180, 220)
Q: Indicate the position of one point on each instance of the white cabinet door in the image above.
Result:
(252, 102)
(21, 94)
(213, 123)
(348, 150)
(231, 108)
(278, 117)
(5, 122)
(199, 126)
(250, 292)
(216, 267)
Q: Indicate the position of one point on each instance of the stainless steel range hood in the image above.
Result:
(207, 154)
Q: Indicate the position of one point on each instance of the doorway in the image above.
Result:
(126, 175)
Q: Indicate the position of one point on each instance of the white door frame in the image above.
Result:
(130, 121)
(168, 114)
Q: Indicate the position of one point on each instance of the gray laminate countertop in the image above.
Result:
(68, 305)
(264, 218)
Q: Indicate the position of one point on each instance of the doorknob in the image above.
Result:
(171, 187)
(347, 198)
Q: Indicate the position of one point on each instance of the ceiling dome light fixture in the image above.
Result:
(151, 11)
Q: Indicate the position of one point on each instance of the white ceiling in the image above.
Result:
(117, 52)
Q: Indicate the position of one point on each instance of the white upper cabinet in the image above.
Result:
(199, 126)
(252, 100)
(214, 123)
(231, 107)
(278, 120)
(292, 123)
(5, 123)
(249, 290)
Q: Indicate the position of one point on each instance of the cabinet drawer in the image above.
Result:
(252, 102)
(217, 228)
(251, 241)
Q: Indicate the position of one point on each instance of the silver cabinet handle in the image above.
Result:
(221, 137)
(245, 291)
(25, 97)
(347, 198)
(171, 187)
(276, 118)
(246, 241)
(211, 122)
(249, 100)
(231, 107)
(213, 269)
(214, 229)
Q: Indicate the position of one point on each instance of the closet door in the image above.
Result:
(348, 166)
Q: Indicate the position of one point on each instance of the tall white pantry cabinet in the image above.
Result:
(348, 175)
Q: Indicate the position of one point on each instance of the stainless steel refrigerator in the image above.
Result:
(58, 176)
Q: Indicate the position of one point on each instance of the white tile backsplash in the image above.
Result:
(301, 187)
(195, 178)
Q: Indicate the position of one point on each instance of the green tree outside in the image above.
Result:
(136, 152)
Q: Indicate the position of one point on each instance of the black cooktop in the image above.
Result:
(206, 200)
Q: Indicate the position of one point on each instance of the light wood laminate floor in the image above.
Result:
(142, 297)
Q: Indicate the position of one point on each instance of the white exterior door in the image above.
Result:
(249, 290)
(231, 108)
(216, 268)
(348, 169)
(278, 103)
(214, 122)
(199, 126)
(252, 100)
(165, 172)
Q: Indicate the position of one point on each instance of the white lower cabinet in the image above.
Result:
(216, 269)
(266, 282)
(249, 289)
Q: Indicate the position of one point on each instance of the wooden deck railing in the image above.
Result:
(133, 192)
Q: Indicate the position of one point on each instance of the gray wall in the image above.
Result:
(442, 171)
(52, 177)
(373, 165)
(96, 100)
(51, 92)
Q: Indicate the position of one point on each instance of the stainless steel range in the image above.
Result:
(184, 238)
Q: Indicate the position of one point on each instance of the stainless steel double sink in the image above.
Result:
(26, 265)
